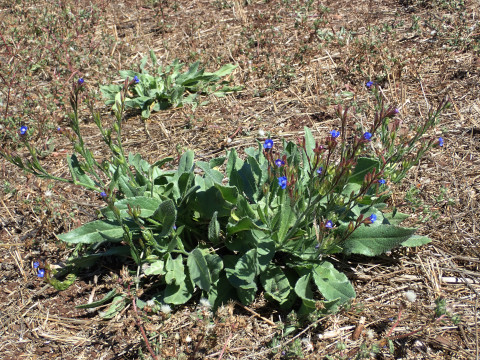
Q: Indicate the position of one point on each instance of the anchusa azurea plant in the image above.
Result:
(233, 226)
(168, 86)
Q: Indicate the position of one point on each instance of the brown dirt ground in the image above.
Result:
(418, 51)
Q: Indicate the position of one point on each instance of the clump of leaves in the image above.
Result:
(233, 226)
(168, 86)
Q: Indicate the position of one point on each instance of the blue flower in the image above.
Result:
(440, 141)
(335, 133)
(369, 84)
(268, 144)
(373, 218)
(320, 170)
(282, 182)
(41, 273)
(174, 227)
(103, 194)
(80, 81)
(59, 129)
(23, 130)
(279, 162)
(382, 182)
(329, 224)
(36, 264)
(135, 78)
(367, 136)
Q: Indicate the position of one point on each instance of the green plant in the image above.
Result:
(233, 226)
(168, 87)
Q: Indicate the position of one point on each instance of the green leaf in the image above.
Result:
(175, 270)
(62, 285)
(156, 268)
(221, 292)
(214, 229)
(395, 218)
(229, 193)
(147, 206)
(243, 225)
(276, 284)
(363, 167)
(304, 291)
(97, 303)
(416, 240)
(198, 269)
(118, 304)
(93, 232)
(166, 214)
(332, 284)
(78, 174)
(375, 240)
(153, 57)
(215, 265)
(185, 164)
(214, 175)
(224, 70)
(309, 142)
(178, 294)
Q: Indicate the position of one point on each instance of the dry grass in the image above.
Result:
(418, 52)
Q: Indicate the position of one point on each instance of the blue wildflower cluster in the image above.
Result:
(268, 144)
(335, 133)
(40, 272)
(282, 182)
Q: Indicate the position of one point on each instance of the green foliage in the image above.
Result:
(269, 220)
(168, 86)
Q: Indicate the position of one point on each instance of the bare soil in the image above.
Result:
(296, 61)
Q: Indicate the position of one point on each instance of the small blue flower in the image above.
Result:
(80, 81)
(41, 273)
(59, 129)
(382, 182)
(335, 133)
(279, 162)
(329, 224)
(268, 144)
(282, 182)
(135, 78)
(317, 246)
(367, 136)
(174, 227)
(373, 218)
(23, 130)
(440, 141)
(320, 170)
(103, 194)
(36, 264)
(369, 84)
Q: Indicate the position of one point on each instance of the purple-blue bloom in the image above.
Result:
(279, 162)
(268, 144)
(80, 81)
(440, 141)
(329, 224)
(282, 182)
(135, 78)
(23, 130)
(369, 84)
(320, 170)
(103, 194)
(335, 133)
(41, 273)
(382, 182)
(373, 218)
(367, 136)
(36, 264)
